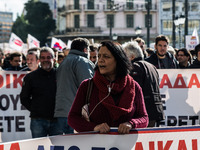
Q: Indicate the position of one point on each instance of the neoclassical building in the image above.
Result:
(106, 19)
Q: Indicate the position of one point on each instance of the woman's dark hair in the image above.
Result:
(123, 63)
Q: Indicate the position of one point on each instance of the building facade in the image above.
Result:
(192, 16)
(6, 23)
(106, 19)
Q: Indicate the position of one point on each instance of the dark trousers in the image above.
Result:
(42, 127)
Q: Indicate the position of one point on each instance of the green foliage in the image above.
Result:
(20, 27)
(37, 21)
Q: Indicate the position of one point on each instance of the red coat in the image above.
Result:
(106, 111)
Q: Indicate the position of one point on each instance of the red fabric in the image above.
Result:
(126, 100)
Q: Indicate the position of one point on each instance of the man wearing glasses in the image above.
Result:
(184, 58)
(38, 95)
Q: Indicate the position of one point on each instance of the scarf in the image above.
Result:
(124, 85)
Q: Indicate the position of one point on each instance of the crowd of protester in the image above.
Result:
(72, 66)
(183, 58)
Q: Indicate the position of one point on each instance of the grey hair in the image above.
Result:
(47, 49)
(132, 48)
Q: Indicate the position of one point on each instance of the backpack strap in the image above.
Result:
(89, 91)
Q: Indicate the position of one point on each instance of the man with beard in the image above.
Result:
(38, 95)
(162, 59)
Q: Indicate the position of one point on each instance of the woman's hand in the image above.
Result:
(124, 128)
(102, 128)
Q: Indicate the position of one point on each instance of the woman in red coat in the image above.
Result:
(116, 99)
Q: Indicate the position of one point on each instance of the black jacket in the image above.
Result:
(153, 59)
(148, 78)
(38, 93)
(195, 64)
(13, 68)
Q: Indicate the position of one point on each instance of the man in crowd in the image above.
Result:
(141, 43)
(162, 59)
(32, 60)
(75, 68)
(61, 57)
(38, 96)
(148, 78)
(184, 58)
(15, 62)
(94, 53)
(196, 62)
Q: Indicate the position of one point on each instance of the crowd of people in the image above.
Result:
(122, 79)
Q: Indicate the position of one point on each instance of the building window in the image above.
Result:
(76, 21)
(90, 4)
(110, 21)
(129, 4)
(129, 21)
(148, 21)
(194, 7)
(166, 7)
(110, 4)
(192, 24)
(76, 4)
(90, 21)
(167, 25)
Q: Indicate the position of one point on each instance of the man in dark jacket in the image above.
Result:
(162, 59)
(147, 77)
(196, 62)
(15, 62)
(38, 95)
(184, 58)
